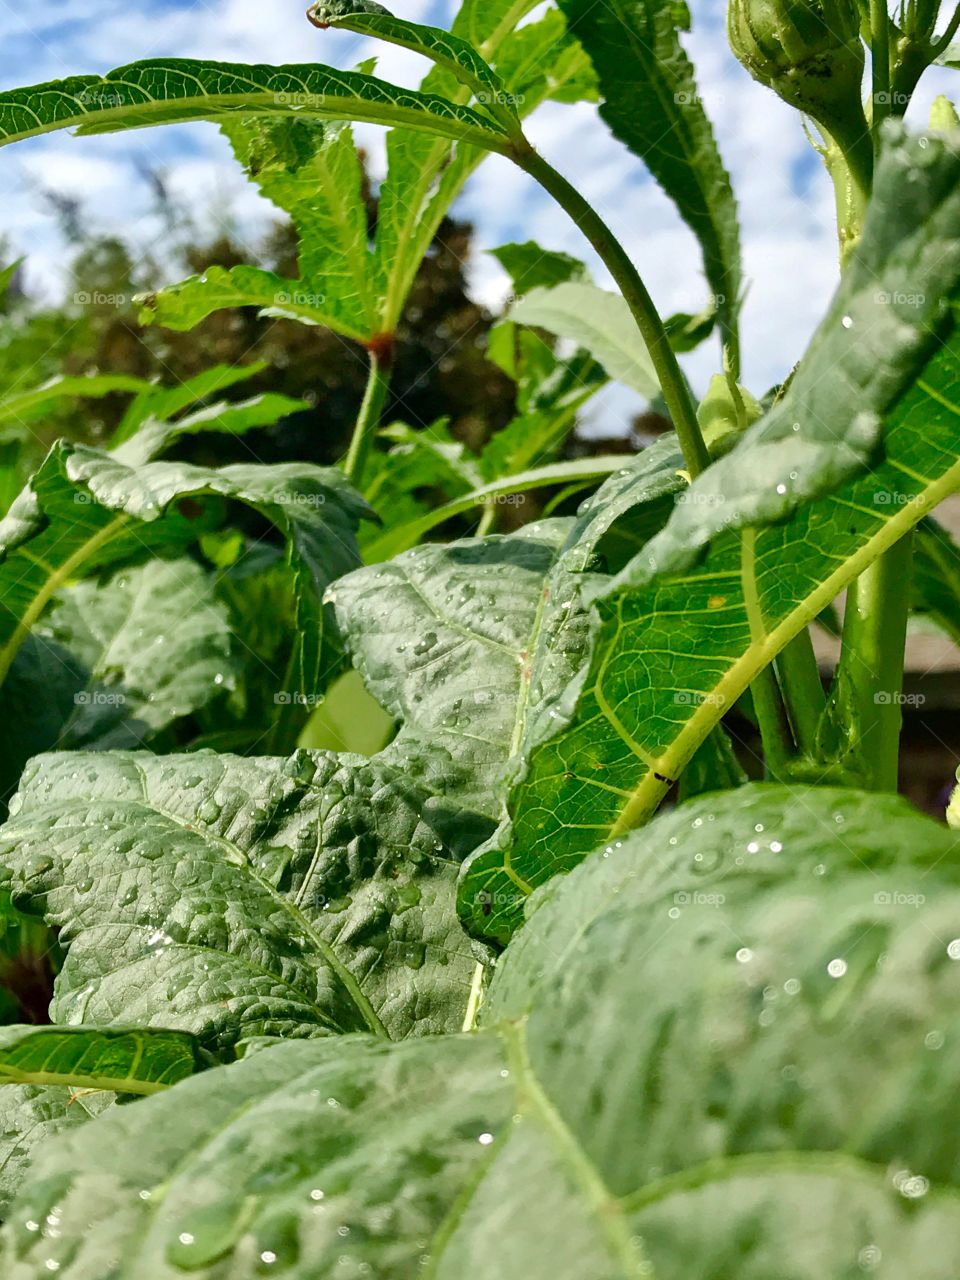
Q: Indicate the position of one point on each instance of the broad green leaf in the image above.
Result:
(38, 696)
(86, 509)
(694, 1079)
(225, 417)
(446, 49)
(113, 1058)
(182, 306)
(161, 404)
(393, 541)
(886, 321)
(531, 267)
(675, 647)
(20, 407)
(652, 103)
(597, 320)
(236, 898)
(445, 637)
(936, 576)
(29, 1114)
(155, 645)
(312, 171)
(550, 393)
(165, 91)
(425, 175)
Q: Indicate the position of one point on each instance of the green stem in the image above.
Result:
(880, 48)
(368, 420)
(676, 393)
(874, 639)
(803, 691)
(778, 746)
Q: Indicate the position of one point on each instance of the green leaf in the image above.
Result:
(85, 510)
(182, 306)
(446, 49)
(597, 320)
(444, 637)
(21, 407)
(936, 576)
(887, 319)
(113, 1058)
(225, 417)
(312, 172)
(425, 175)
(676, 1077)
(652, 103)
(165, 91)
(394, 541)
(625, 730)
(531, 267)
(236, 898)
(161, 404)
(29, 1114)
(155, 644)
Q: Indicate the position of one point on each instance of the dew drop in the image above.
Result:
(485, 1139)
(953, 949)
(744, 955)
(837, 967)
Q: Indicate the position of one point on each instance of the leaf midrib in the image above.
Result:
(650, 790)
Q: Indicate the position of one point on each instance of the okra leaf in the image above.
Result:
(225, 417)
(531, 267)
(19, 407)
(158, 403)
(85, 510)
(936, 576)
(597, 320)
(887, 320)
(120, 1060)
(155, 644)
(445, 637)
(652, 103)
(445, 48)
(241, 897)
(675, 647)
(531, 1148)
(29, 1114)
(170, 90)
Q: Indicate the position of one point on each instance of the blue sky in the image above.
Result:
(786, 203)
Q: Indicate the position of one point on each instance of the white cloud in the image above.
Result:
(786, 203)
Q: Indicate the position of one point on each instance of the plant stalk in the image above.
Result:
(368, 420)
(803, 691)
(676, 393)
(880, 49)
(874, 639)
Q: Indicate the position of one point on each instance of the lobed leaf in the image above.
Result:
(675, 645)
(120, 1060)
(678, 1075)
(652, 103)
(597, 320)
(165, 91)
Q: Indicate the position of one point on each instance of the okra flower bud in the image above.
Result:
(808, 51)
